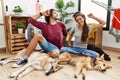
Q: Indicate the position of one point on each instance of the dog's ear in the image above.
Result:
(102, 57)
(51, 60)
(95, 67)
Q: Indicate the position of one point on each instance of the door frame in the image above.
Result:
(3, 12)
(3, 24)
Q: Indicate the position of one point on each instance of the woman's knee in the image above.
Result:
(65, 49)
(97, 54)
(54, 54)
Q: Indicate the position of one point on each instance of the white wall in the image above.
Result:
(109, 40)
(28, 5)
(2, 37)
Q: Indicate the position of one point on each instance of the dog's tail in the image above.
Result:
(83, 73)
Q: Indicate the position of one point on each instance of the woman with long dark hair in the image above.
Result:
(81, 33)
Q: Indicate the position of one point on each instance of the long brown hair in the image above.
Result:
(47, 18)
(85, 32)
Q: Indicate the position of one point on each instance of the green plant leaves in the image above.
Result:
(62, 9)
(17, 9)
(68, 21)
(69, 4)
(20, 25)
(59, 4)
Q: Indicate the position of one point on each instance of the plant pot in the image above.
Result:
(18, 13)
(20, 30)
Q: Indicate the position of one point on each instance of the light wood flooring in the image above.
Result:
(67, 72)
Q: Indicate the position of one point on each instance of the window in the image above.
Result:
(87, 6)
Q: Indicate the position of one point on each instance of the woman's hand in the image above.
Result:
(46, 13)
(90, 15)
(101, 22)
(69, 44)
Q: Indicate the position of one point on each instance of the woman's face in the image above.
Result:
(80, 20)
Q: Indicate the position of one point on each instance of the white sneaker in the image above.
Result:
(19, 63)
(16, 65)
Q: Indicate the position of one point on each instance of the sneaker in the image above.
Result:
(19, 63)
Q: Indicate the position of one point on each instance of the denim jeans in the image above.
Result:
(78, 50)
(48, 47)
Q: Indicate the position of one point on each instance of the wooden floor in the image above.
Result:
(67, 72)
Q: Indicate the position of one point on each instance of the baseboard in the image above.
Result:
(3, 50)
(111, 48)
(1, 24)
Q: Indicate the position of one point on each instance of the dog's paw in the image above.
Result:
(18, 77)
(13, 75)
(109, 67)
(90, 68)
(48, 69)
(75, 76)
(2, 63)
(2, 59)
(119, 57)
(83, 77)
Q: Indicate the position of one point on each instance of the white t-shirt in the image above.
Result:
(77, 35)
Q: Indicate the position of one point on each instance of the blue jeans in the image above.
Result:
(49, 47)
(78, 50)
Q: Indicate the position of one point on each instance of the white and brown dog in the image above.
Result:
(36, 61)
(83, 63)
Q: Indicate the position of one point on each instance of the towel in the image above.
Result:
(116, 19)
(92, 32)
(115, 28)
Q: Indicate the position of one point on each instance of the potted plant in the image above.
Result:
(20, 27)
(18, 10)
(64, 14)
(62, 9)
